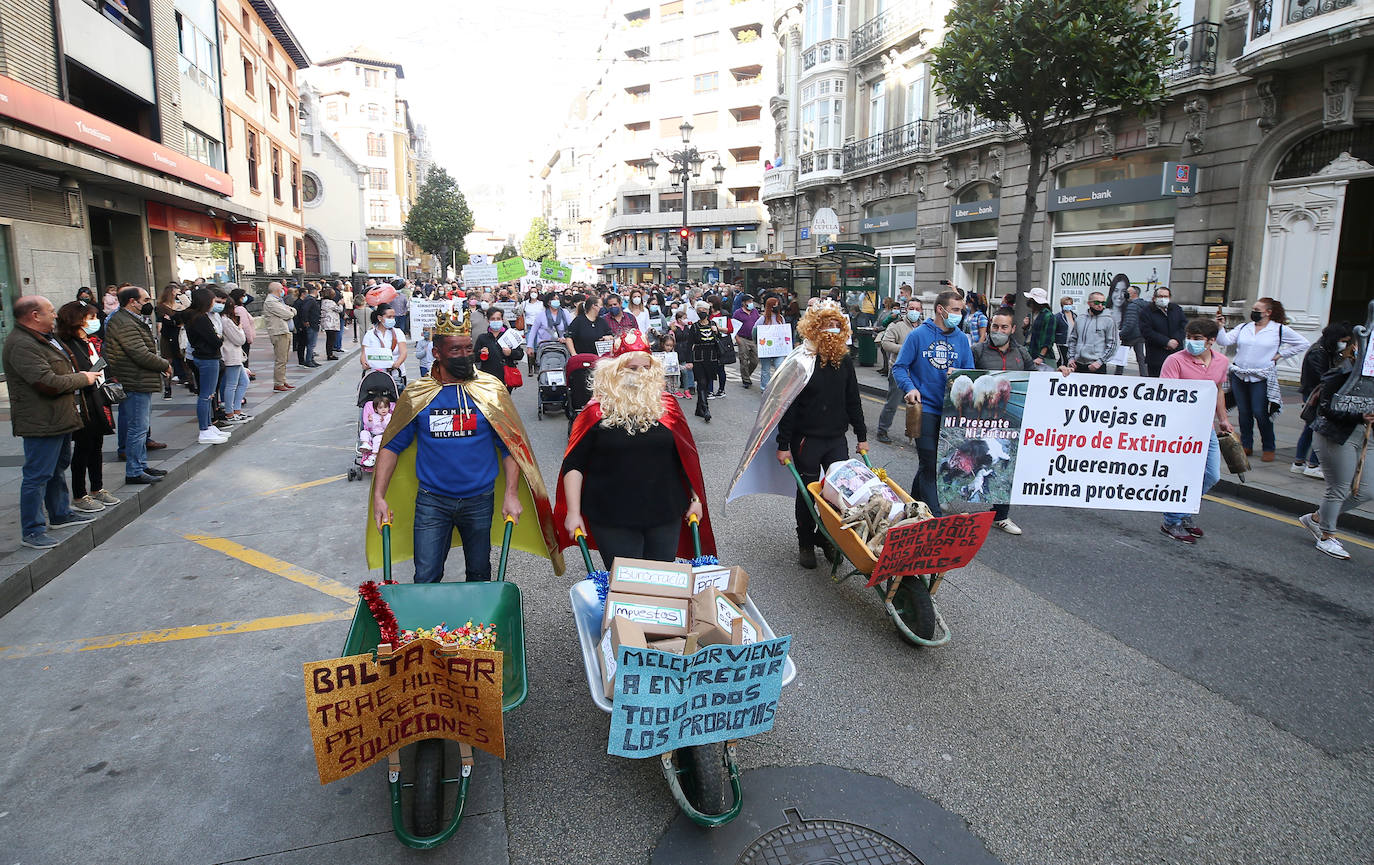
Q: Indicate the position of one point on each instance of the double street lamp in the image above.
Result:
(686, 166)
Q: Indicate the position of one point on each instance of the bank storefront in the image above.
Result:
(973, 220)
(889, 226)
(1112, 227)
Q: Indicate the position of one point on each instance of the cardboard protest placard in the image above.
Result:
(422, 313)
(555, 271)
(476, 275)
(510, 269)
(604, 345)
(932, 546)
(664, 701)
(1085, 441)
(774, 340)
(361, 710)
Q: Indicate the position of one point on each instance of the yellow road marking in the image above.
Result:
(169, 635)
(305, 486)
(262, 561)
(1343, 538)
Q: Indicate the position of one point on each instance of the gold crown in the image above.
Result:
(452, 324)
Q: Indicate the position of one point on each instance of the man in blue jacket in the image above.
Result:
(921, 370)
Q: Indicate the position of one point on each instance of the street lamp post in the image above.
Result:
(686, 165)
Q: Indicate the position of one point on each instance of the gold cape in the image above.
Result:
(535, 535)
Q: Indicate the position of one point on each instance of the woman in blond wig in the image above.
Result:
(631, 478)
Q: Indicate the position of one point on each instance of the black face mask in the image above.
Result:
(460, 368)
(146, 309)
(1255, 315)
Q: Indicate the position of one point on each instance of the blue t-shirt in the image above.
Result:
(446, 461)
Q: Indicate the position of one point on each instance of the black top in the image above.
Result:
(1314, 365)
(200, 334)
(655, 493)
(827, 407)
(584, 333)
(1158, 326)
(309, 311)
(699, 343)
(496, 358)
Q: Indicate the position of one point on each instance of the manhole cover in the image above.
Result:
(824, 842)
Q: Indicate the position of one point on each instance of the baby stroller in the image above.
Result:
(579, 375)
(376, 383)
(551, 359)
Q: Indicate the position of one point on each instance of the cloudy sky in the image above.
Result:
(490, 81)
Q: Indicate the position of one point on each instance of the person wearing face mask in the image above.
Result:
(891, 342)
(588, 326)
(492, 357)
(701, 344)
(384, 345)
(616, 318)
(453, 443)
(631, 421)
(640, 312)
(1161, 326)
(277, 321)
(921, 370)
(1260, 344)
(131, 352)
(1063, 323)
(1093, 339)
(1342, 437)
(772, 315)
(1323, 354)
(1198, 362)
(551, 322)
(206, 347)
(746, 345)
(1131, 312)
(1001, 353)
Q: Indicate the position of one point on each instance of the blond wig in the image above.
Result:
(631, 399)
(829, 347)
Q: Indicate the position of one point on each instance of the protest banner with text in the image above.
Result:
(361, 710)
(931, 546)
(422, 312)
(665, 701)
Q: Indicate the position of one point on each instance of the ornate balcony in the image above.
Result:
(913, 139)
(882, 30)
(779, 182)
(819, 166)
(1195, 51)
(832, 50)
(953, 127)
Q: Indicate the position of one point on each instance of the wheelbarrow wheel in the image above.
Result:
(916, 608)
(427, 801)
(705, 777)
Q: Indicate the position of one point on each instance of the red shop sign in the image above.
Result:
(168, 218)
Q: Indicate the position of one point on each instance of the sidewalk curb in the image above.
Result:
(1260, 494)
(30, 570)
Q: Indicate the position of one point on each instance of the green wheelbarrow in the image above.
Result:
(909, 600)
(424, 605)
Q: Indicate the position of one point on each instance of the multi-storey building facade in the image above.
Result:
(334, 193)
(111, 145)
(366, 113)
(262, 63)
(1265, 103)
(700, 63)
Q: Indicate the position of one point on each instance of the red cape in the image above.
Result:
(676, 422)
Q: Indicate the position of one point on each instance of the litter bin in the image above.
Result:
(868, 348)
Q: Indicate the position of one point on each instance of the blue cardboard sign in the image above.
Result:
(665, 701)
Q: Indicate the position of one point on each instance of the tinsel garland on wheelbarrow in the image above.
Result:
(468, 636)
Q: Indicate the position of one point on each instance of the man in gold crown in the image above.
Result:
(454, 442)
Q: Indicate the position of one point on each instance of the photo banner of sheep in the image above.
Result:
(1078, 441)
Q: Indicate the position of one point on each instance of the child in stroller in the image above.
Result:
(377, 395)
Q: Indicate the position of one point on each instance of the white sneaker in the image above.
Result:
(1007, 526)
(1297, 468)
(1332, 548)
(1314, 472)
(212, 436)
(1311, 525)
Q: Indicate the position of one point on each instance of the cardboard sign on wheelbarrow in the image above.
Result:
(362, 709)
(931, 546)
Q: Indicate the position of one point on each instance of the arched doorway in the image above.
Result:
(312, 256)
(1318, 256)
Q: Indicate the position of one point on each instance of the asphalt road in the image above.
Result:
(1109, 696)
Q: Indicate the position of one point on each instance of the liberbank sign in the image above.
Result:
(1130, 191)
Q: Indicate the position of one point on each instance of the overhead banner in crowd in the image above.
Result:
(362, 710)
(665, 701)
(1077, 441)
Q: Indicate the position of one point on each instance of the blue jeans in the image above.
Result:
(436, 516)
(207, 372)
(687, 378)
(233, 388)
(134, 415)
(312, 335)
(1307, 451)
(923, 486)
(46, 459)
(1210, 473)
(1252, 407)
(766, 367)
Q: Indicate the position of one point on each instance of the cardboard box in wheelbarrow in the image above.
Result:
(718, 620)
(643, 577)
(660, 617)
(622, 632)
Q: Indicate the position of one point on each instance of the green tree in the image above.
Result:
(506, 252)
(1049, 68)
(440, 219)
(538, 243)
